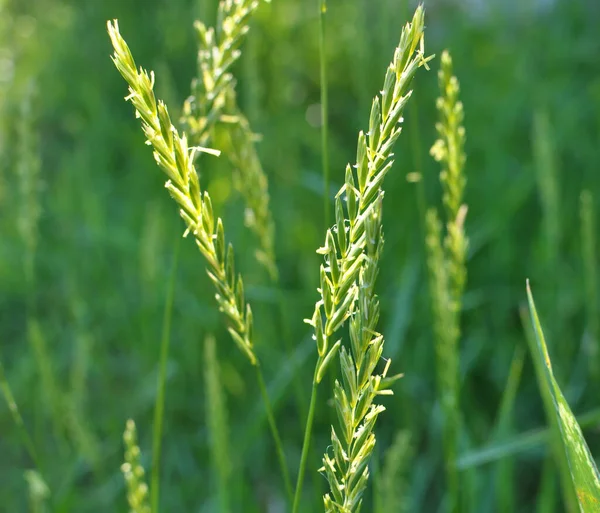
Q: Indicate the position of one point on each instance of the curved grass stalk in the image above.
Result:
(176, 159)
(17, 419)
(213, 102)
(348, 253)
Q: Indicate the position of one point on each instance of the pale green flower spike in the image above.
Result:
(450, 152)
(176, 159)
(213, 102)
(137, 489)
(352, 251)
(446, 263)
(346, 242)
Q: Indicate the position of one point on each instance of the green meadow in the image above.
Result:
(299, 256)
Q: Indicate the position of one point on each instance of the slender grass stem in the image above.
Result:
(274, 431)
(305, 445)
(417, 159)
(159, 407)
(518, 444)
(18, 420)
(324, 110)
(289, 349)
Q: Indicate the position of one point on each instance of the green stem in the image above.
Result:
(18, 420)
(287, 340)
(274, 432)
(417, 159)
(159, 407)
(305, 445)
(324, 110)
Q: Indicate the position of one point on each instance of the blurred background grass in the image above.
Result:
(82, 290)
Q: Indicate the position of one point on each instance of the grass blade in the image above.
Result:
(324, 109)
(588, 243)
(582, 467)
(159, 407)
(504, 479)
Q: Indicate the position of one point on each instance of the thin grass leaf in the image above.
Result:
(218, 424)
(351, 264)
(588, 243)
(159, 406)
(504, 479)
(519, 444)
(582, 467)
(16, 415)
(560, 457)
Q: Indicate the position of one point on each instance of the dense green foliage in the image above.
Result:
(88, 238)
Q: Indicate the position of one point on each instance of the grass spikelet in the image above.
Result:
(176, 159)
(219, 50)
(251, 180)
(39, 492)
(346, 243)
(133, 471)
(351, 253)
(218, 424)
(353, 442)
(449, 151)
(446, 263)
(392, 484)
(213, 101)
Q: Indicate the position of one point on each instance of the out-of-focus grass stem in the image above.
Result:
(324, 111)
(159, 407)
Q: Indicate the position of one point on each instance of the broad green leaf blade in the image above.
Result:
(584, 472)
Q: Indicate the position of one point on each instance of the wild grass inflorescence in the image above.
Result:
(176, 159)
(446, 263)
(351, 251)
(213, 104)
(137, 489)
